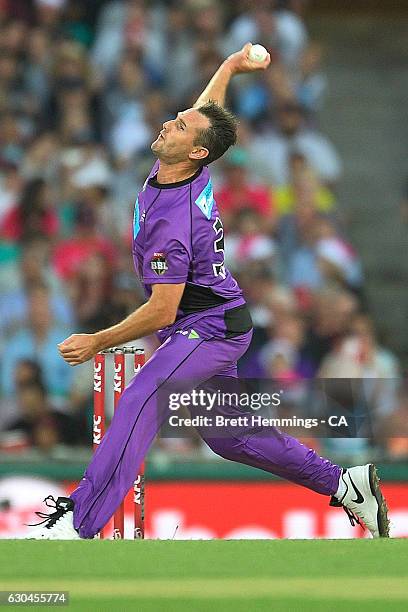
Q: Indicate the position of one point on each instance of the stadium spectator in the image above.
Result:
(33, 270)
(238, 192)
(38, 340)
(40, 425)
(280, 31)
(42, 158)
(34, 216)
(330, 316)
(280, 356)
(177, 42)
(303, 183)
(271, 149)
(12, 138)
(36, 71)
(27, 371)
(87, 242)
(249, 245)
(311, 83)
(359, 355)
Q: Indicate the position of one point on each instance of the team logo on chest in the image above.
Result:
(159, 264)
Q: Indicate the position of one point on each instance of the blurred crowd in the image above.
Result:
(84, 88)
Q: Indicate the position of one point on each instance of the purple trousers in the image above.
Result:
(135, 424)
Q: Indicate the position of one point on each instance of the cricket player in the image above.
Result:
(199, 313)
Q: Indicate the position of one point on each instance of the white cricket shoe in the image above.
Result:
(58, 525)
(363, 500)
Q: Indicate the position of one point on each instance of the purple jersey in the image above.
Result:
(178, 237)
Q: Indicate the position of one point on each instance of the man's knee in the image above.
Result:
(223, 447)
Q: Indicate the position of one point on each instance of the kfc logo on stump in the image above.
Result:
(159, 264)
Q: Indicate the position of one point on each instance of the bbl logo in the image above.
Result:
(159, 264)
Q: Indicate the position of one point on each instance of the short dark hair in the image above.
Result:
(222, 133)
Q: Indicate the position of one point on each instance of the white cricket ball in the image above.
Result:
(257, 53)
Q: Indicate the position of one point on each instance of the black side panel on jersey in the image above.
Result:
(196, 298)
(237, 321)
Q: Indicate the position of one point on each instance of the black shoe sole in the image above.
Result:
(382, 512)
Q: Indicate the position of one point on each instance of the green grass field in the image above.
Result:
(214, 575)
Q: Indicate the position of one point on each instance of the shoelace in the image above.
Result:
(354, 520)
(52, 518)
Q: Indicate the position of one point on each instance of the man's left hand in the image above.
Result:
(78, 348)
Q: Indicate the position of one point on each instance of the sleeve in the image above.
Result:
(167, 253)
